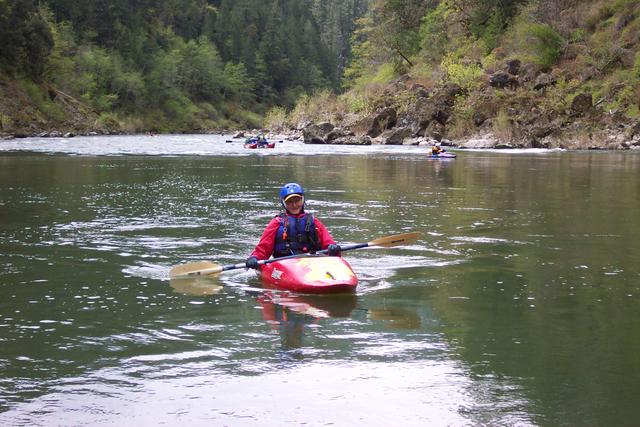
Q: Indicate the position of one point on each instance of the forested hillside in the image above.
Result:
(167, 65)
(516, 72)
(512, 73)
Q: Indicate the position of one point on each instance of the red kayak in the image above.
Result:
(256, 145)
(314, 274)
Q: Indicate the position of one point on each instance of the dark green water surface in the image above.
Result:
(520, 304)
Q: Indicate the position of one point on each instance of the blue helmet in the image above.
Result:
(290, 189)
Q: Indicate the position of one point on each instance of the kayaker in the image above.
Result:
(262, 141)
(293, 231)
(436, 149)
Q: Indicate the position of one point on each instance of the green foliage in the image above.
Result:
(129, 88)
(62, 59)
(354, 102)
(466, 75)
(398, 28)
(636, 67)
(25, 39)
(619, 92)
(536, 43)
(165, 60)
(238, 84)
(42, 101)
(5, 121)
(363, 53)
(94, 69)
(604, 14)
(389, 34)
(503, 127)
(384, 74)
(577, 35)
(490, 61)
(433, 33)
(558, 97)
(627, 101)
(108, 121)
(492, 29)
(320, 105)
(198, 70)
(489, 18)
(463, 124)
(248, 119)
(547, 42)
(276, 118)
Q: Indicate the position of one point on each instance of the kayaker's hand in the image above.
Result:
(252, 262)
(333, 250)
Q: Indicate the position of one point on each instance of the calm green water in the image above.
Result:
(520, 305)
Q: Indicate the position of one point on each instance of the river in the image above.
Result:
(519, 305)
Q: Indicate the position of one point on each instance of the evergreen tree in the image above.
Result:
(25, 39)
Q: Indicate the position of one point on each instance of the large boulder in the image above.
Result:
(337, 133)
(395, 136)
(352, 140)
(435, 130)
(512, 67)
(428, 116)
(314, 139)
(383, 120)
(420, 91)
(581, 104)
(503, 80)
(316, 133)
(633, 131)
(528, 72)
(544, 80)
(481, 141)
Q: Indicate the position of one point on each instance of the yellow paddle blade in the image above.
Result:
(398, 239)
(194, 269)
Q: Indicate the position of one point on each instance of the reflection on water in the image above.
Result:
(396, 317)
(198, 286)
(523, 289)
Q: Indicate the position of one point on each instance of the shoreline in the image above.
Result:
(487, 141)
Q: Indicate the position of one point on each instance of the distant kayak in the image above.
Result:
(254, 145)
(441, 156)
(310, 274)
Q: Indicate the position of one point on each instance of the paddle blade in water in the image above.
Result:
(195, 269)
(196, 285)
(397, 240)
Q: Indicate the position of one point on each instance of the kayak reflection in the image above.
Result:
(315, 306)
(288, 313)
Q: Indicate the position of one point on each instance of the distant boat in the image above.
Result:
(253, 145)
(257, 143)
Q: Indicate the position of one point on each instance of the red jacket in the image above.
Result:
(264, 248)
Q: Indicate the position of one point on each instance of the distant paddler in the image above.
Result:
(436, 149)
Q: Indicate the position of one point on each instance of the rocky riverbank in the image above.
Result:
(30, 110)
(514, 107)
(510, 110)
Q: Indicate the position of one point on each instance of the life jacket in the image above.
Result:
(295, 235)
